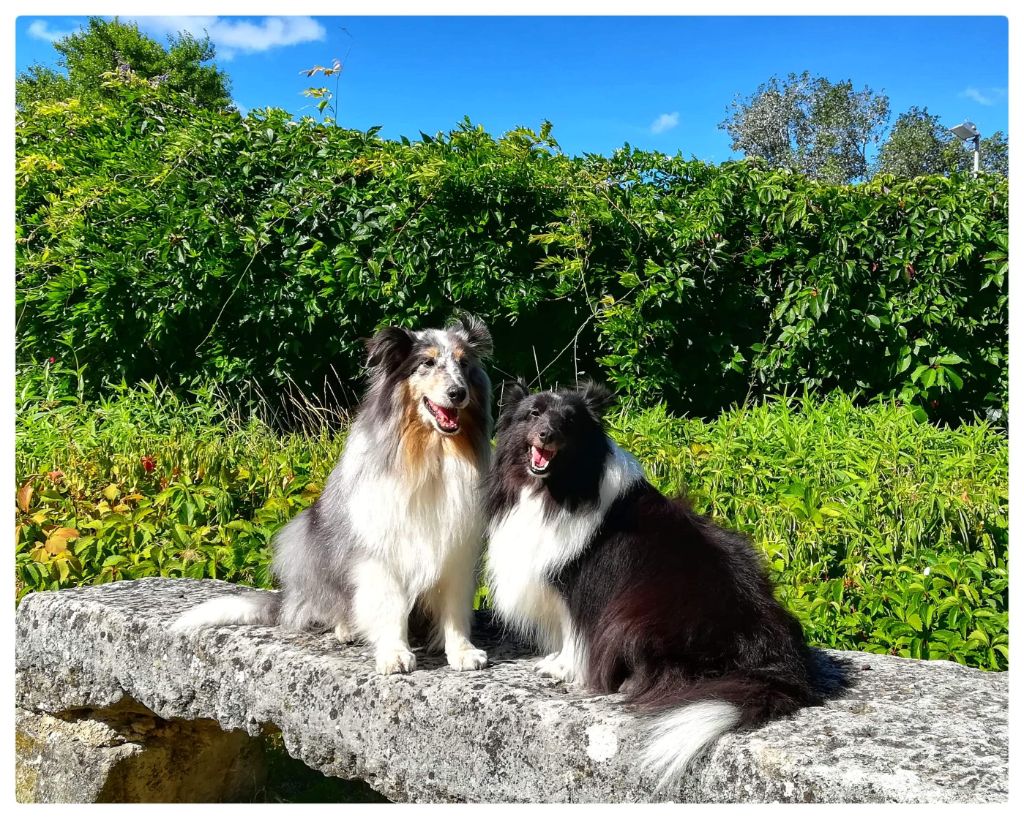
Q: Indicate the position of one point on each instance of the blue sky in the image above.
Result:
(660, 83)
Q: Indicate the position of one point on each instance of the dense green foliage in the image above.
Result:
(157, 239)
(160, 240)
(883, 533)
(103, 46)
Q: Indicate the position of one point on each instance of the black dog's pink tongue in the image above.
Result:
(540, 458)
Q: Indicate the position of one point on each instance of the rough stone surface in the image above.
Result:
(58, 760)
(128, 755)
(905, 731)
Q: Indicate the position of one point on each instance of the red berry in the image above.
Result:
(148, 463)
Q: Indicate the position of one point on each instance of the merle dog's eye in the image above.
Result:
(535, 413)
(428, 362)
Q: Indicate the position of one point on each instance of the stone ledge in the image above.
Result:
(125, 754)
(905, 731)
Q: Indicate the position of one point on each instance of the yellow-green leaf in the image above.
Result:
(55, 544)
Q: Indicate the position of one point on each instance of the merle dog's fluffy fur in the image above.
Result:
(629, 590)
(399, 524)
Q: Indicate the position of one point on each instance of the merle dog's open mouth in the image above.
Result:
(446, 418)
(540, 459)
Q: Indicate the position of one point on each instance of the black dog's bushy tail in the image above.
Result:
(690, 714)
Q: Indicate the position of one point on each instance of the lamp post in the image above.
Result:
(967, 130)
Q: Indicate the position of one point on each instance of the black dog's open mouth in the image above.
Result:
(446, 418)
(540, 459)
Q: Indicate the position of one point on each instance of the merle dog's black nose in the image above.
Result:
(457, 393)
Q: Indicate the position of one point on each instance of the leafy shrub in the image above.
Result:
(141, 483)
(883, 533)
(156, 239)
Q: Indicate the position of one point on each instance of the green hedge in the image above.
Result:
(883, 533)
(155, 240)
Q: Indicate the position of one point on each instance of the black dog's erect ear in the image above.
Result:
(597, 397)
(388, 348)
(475, 333)
(511, 393)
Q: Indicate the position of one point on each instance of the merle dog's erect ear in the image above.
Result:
(475, 333)
(512, 392)
(388, 348)
(597, 397)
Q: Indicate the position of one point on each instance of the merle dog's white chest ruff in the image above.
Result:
(417, 522)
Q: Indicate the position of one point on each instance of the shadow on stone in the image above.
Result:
(290, 780)
(833, 676)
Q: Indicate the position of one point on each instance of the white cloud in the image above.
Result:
(233, 34)
(976, 95)
(665, 122)
(987, 96)
(41, 30)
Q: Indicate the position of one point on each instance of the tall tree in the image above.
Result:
(921, 144)
(918, 144)
(810, 124)
(106, 45)
(995, 154)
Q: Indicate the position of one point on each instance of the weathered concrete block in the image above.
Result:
(905, 731)
(125, 754)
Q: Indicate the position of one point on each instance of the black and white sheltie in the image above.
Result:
(628, 590)
(400, 521)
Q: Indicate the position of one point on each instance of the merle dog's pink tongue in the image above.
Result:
(540, 457)
(447, 416)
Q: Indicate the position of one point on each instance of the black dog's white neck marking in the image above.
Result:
(528, 545)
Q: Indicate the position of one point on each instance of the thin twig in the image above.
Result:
(579, 332)
(238, 283)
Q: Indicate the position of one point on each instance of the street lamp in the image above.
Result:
(967, 130)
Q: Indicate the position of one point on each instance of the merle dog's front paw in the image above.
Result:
(467, 659)
(396, 661)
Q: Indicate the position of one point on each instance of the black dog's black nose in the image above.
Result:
(457, 393)
(544, 434)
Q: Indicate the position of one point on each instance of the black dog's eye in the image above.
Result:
(535, 413)
(428, 362)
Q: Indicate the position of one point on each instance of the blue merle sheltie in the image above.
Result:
(627, 590)
(399, 525)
